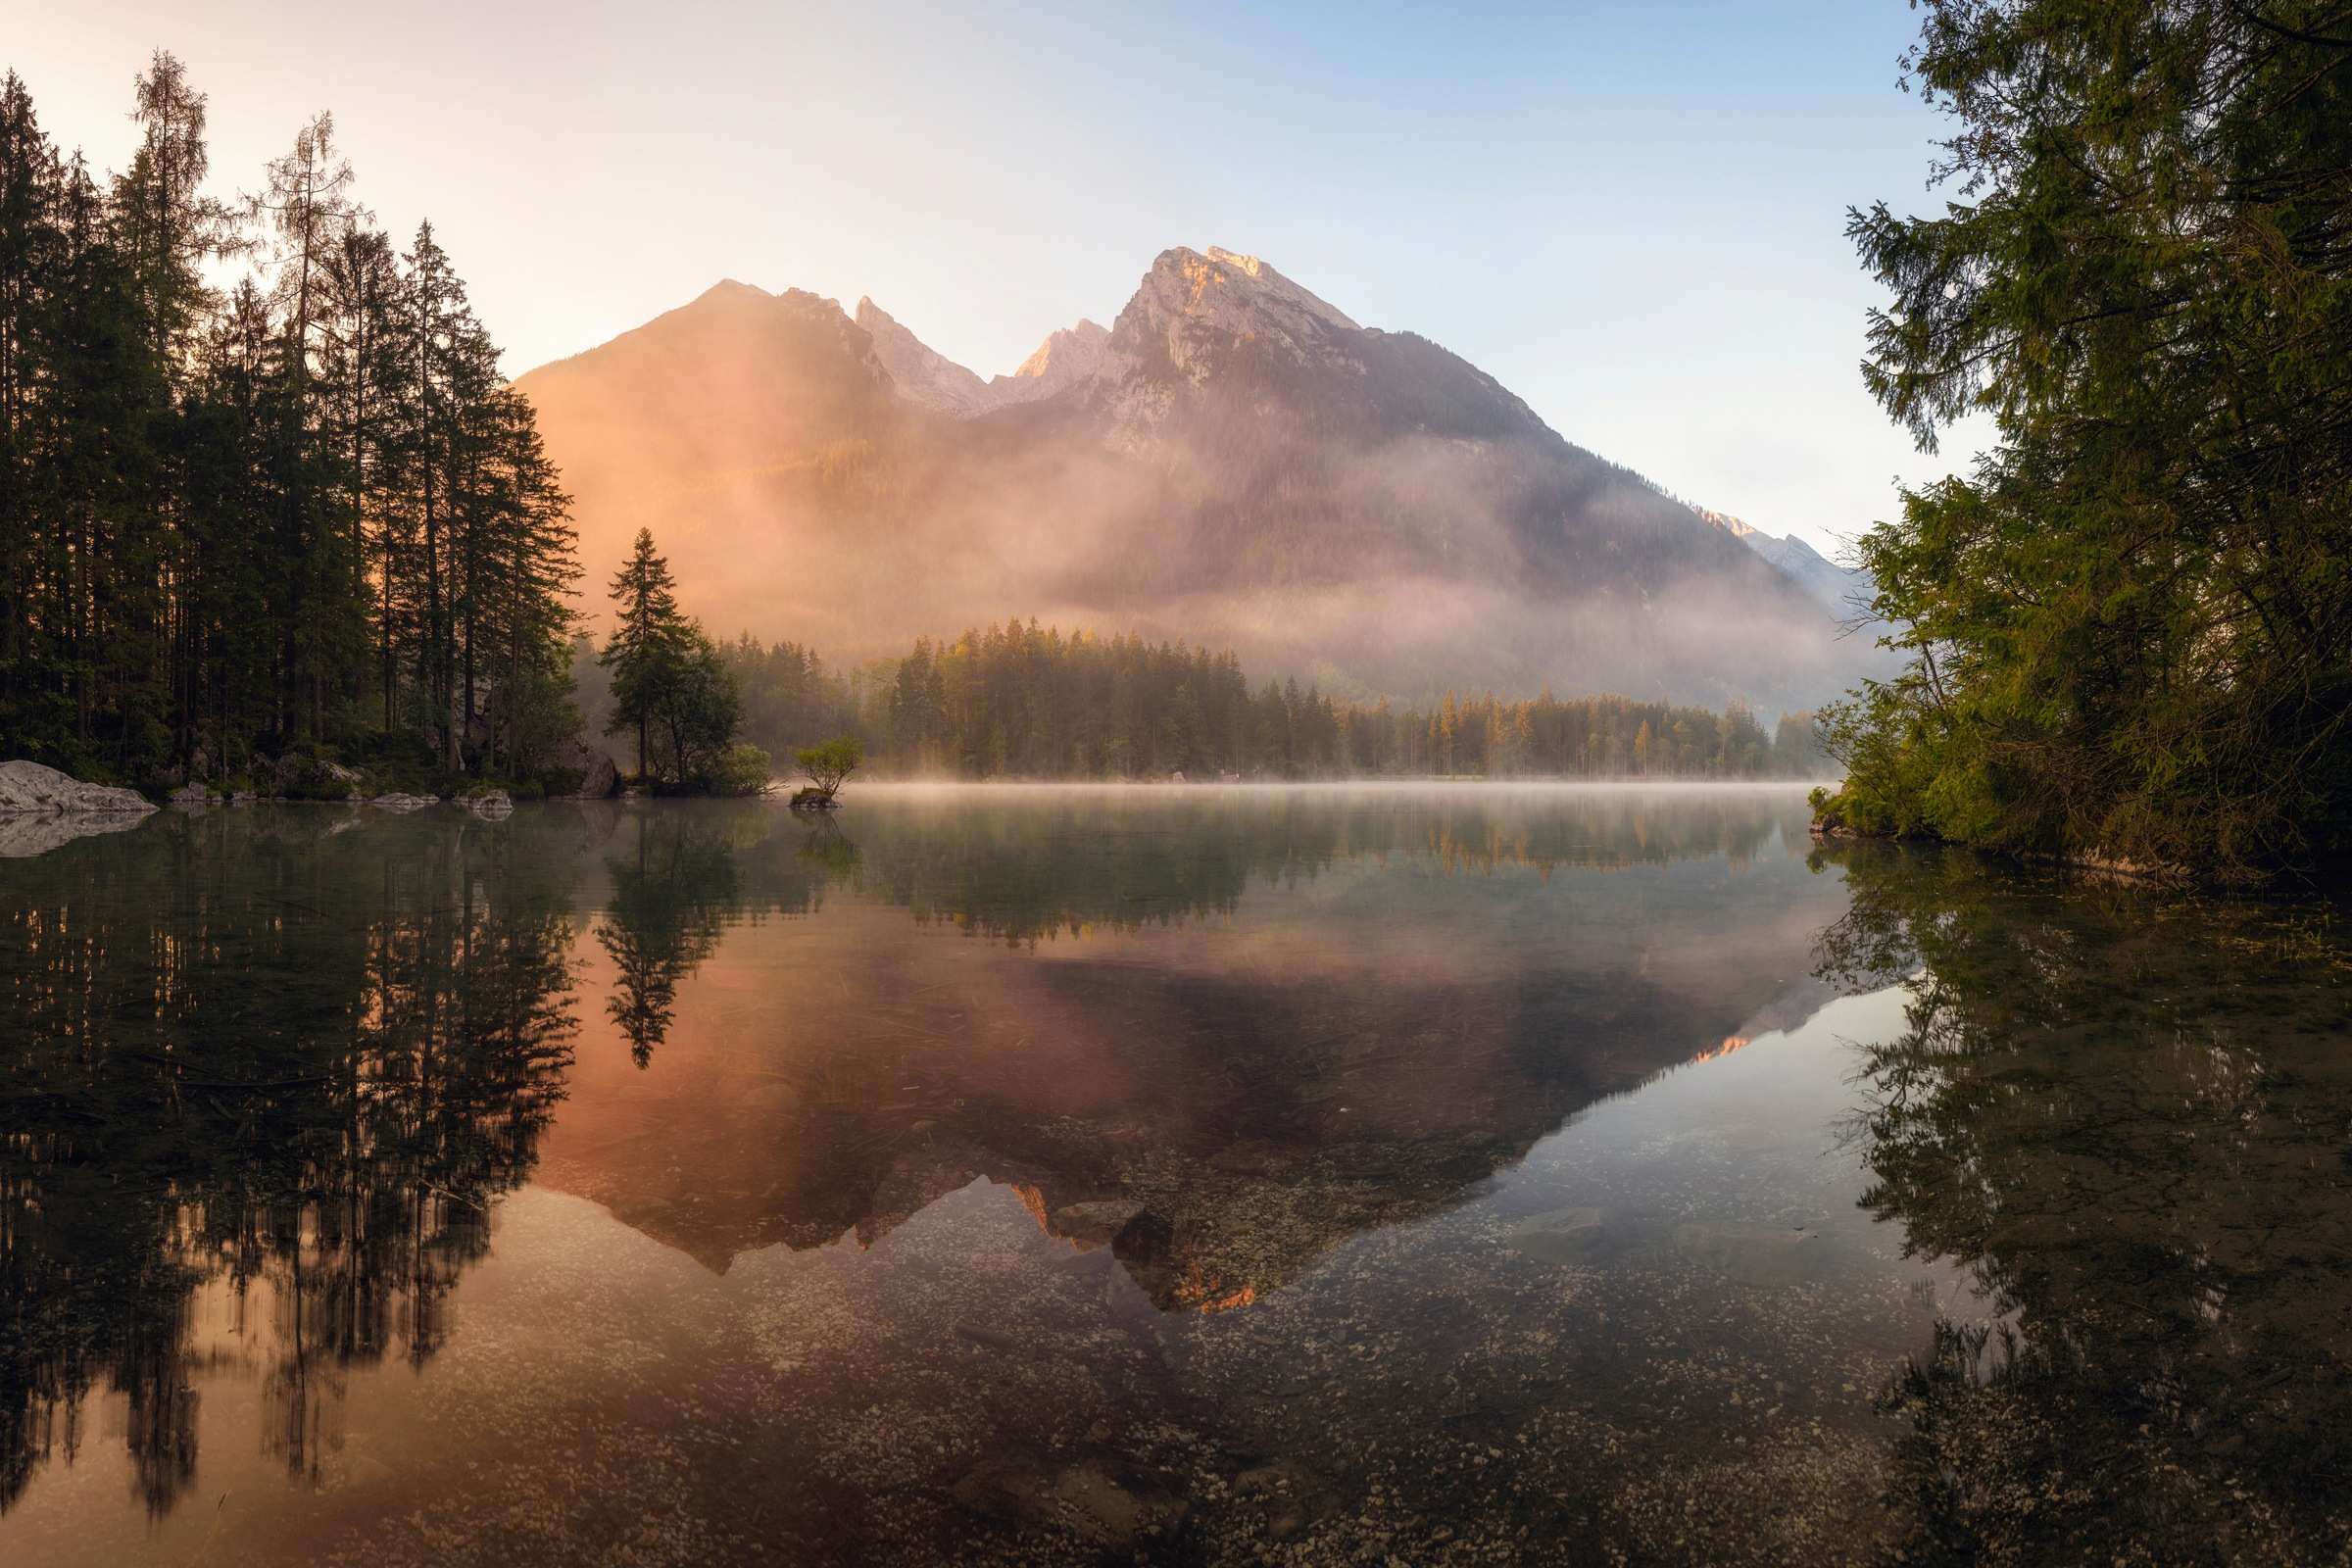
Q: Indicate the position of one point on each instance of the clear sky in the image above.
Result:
(1631, 215)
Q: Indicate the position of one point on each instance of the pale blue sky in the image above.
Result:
(1631, 215)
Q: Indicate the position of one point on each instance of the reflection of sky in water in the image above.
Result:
(1286, 1177)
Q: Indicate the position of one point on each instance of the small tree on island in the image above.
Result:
(828, 767)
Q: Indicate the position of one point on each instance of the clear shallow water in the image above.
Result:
(1085, 1176)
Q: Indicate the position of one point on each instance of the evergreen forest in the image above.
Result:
(1020, 701)
(2130, 628)
(263, 491)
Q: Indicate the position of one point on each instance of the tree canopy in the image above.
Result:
(671, 688)
(1024, 700)
(301, 510)
(2128, 626)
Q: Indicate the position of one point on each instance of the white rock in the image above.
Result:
(31, 787)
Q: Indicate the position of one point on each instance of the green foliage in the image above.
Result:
(670, 685)
(828, 766)
(742, 770)
(2130, 627)
(304, 512)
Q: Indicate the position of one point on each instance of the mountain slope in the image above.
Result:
(1234, 459)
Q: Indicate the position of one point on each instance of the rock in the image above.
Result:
(1562, 1236)
(1110, 1510)
(1095, 1224)
(190, 798)
(1752, 1254)
(27, 787)
(493, 803)
(337, 772)
(406, 802)
(599, 778)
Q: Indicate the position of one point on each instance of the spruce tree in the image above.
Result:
(648, 646)
(2130, 626)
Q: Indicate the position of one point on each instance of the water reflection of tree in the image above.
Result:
(671, 899)
(1022, 870)
(2123, 1112)
(260, 1053)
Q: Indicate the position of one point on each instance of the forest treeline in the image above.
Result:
(301, 510)
(1020, 701)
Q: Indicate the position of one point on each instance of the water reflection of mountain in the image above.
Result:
(289, 1057)
(1222, 1099)
(2125, 1111)
(263, 1075)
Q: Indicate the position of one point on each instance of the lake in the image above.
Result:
(1166, 1175)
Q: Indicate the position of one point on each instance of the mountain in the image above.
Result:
(1843, 591)
(1234, 459)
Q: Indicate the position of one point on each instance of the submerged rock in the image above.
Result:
(1088, 1500)
(1095, 1224)
(1563, 1236)
(1751, 1254)
(26, 787)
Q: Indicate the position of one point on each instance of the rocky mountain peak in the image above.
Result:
(1065, 357)
(1226, 293)
(920, 374)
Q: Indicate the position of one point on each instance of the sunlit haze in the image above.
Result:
(1630, 216)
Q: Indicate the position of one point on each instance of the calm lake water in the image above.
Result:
(1167, 1176)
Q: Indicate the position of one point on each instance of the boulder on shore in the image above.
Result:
(492, 804)
(28, 787)
(599, 777)
(397, 802)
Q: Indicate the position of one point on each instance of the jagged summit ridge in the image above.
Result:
(920, 374)
(929, 379)
(1188, 306)
(1191, 305)
(1067, 357)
